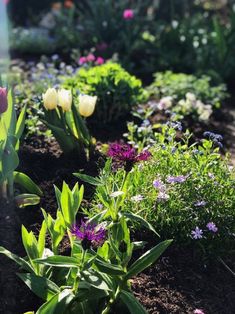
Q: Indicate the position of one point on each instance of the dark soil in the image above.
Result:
(178, 283)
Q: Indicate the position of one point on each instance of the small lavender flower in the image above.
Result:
(89, 234)
(158, 184)
(200, 203)
(100, 206)
(176, 179)
(137, 198)
(162, 196)
(197, 233)
(212, 227)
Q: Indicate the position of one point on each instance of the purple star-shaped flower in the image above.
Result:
(212, 227)
(197, 233)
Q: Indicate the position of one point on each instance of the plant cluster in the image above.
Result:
(11, 131)
(95, 276)
(173, 189)
(116, 90)
(186, 94)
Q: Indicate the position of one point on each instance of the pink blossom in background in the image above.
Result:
(90, 57)
(128, 14)
(6, 1)
(198, 311)
(99, 60)
(82, 60)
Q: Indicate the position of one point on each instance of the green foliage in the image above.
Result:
(11, 130)
(116, 89)
(176, 208)
(89, 280)
(178, 85)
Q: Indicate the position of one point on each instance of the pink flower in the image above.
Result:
(3, 100)
(99, 60)
(198, 311)
(82, 60)
(128, 14)
(90, 57)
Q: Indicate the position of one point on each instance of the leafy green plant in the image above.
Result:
(95, 277)
(11, 131)
(182, 188)
(177, 85)
(116, 89)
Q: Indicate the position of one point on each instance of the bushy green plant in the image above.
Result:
(182, 188)
(95, 277)
(177, 85)
(116, 89)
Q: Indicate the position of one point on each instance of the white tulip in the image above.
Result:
(86, 105)
(65, 99)
(50, 99)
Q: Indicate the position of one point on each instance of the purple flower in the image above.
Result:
(3, 100)
(200, 203)
(212, 227)
(126, 156)
(162, 196)
(176, 179)
(89, 234)
(197, 233)
(128, 14)
(158, 185)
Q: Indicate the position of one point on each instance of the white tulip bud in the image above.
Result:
(65, 99)
(50, 99)
(86, 105)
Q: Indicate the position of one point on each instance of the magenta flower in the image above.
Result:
(99, 60)
(128, 14)
(90, 57)
(89, 234)
(197, 233)
(82, 60)
(124, 155)
(102, 46)
(212, 227)
(3, 100)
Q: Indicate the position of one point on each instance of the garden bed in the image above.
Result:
(179, 283)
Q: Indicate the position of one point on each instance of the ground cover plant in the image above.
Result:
(173, 189)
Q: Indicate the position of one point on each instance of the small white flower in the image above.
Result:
(116, 194)
(137, 198)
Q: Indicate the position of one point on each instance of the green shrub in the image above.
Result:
(116, 89)
(181, 188)
(178, 85)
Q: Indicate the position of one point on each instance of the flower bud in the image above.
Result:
(87, 105)
(50, 99)
(65, 99)
(3, 100)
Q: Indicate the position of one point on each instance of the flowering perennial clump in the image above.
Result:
(89, 234)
